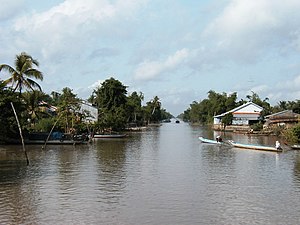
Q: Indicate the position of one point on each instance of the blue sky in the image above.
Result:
(177, 50)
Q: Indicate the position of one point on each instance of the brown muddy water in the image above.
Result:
(163, 175)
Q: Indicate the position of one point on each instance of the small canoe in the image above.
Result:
(254, 147)
(296, 147)
(209, 141)
(109, 135)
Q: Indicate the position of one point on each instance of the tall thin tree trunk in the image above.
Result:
(153, 110)
(21, 135)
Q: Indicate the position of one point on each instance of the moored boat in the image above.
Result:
(56, 138)
(255, 147)
(55, 142)
(296, 147)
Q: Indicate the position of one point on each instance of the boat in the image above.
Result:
(136, 128)
(109, 135)
(296, 147)
(209, 141)
(254, 147)
(56, 138)
(55, 142)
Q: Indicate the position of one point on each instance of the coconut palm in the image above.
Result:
(34, 104)
(22, 74)
(156, 104)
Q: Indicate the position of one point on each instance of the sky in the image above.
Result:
(177, 50)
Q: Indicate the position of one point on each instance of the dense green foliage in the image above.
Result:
(292, 135)
(288, 105)
(111, 99)
(134, 107)
(296, 132)
(204, 111)
(117, 109)
(8, 128)
(267, 109)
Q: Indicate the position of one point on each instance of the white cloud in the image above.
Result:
(74, 25)
(78, 42)
(10, 8)
(96, 84)
(148, 70)
(290, 85)
(261, 88)
(280, 91)
(247, 29)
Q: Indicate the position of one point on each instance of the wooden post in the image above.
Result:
(20, 130)
(43, 147)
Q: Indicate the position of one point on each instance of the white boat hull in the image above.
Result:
(254, 147)
(109, 135)
(208, 141)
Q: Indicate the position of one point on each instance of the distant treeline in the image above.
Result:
(217, 103)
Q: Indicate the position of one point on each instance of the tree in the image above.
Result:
(227, 120)
(111, 94)
(267, 109)
(203, 111)
(22, 74)
(68, 105)
(194, 112)
(134, 106)
(9, 128)
(152, 110)
(111, 101)
(185, 116)
(35, 109)
(165, 115)
(155, 104)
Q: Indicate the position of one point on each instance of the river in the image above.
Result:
(162, 175)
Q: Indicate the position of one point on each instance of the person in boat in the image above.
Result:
(219, 139)
(277, 145)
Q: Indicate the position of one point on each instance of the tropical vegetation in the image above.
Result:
(21, 76)
(38, 111)
(203, 112)
(117, 109)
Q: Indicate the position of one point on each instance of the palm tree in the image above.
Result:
(21, 76)
(35, 108)
(156, 104)
(150, 109)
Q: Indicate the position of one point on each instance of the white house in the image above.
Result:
(245, 114)
(91, 110)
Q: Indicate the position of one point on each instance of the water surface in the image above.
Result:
(163, 175)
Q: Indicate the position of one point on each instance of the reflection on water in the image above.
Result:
(163, 175)
(297, 169)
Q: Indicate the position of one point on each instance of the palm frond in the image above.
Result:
(35, 73)
(7, 68)
(9, 80)
(20, 76)
(31, 84)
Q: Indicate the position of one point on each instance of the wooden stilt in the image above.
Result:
(44, 147)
